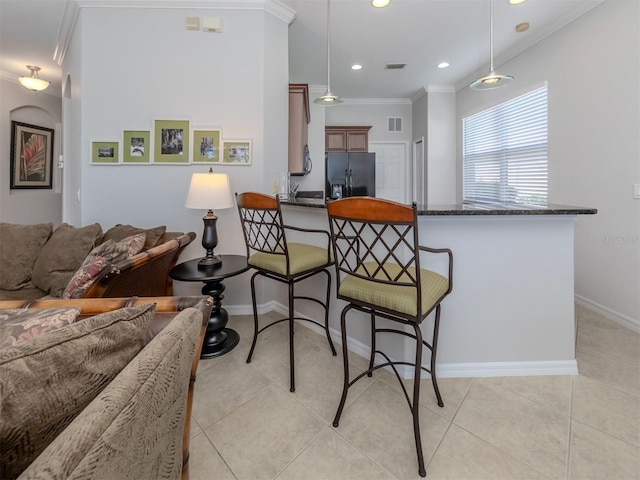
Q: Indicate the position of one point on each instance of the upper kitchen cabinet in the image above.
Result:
(299, 119)
(346, 139)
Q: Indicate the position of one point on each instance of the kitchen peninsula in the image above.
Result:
(511, 311)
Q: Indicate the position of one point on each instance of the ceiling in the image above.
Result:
(418, 33)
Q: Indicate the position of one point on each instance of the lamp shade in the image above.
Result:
(208, 191)
(33, 82)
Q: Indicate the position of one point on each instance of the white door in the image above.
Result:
(419, 173)
(391, 170)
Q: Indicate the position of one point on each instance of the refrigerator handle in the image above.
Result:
(346, 183)
(350, 183)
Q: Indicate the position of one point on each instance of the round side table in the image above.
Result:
(218, 339)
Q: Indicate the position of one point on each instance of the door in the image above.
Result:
(419, 173)
(391, 167)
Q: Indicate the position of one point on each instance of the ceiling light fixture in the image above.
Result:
(33, 82)
(356, 66)
(380, 3)
(516, 2)
(443, 65)
(492, 79)
(328, 98)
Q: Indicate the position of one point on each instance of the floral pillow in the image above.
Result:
(98, 259)
(19, 325)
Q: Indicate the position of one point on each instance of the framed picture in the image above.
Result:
(171, 141)
(206, 146)
(105, 153)
(31, 162)
(236, 152)
(136, 146)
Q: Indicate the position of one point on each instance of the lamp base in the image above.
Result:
(210, 262)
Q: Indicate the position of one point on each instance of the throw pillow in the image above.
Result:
(47, 381)
(97, 260)
(19, 247)
(19, 325)
(119, 232)
(62, 255)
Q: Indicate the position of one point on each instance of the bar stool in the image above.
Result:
(270, 254)
(377, 260)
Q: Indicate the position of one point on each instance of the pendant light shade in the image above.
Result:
(33, 82)
(492, 79)
(328, 98)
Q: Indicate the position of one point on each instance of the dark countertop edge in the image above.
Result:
(471, 209)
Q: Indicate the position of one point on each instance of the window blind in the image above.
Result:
(505, 151)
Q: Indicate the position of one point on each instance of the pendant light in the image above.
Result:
(328, 98)
(33, 81)
(492, 79)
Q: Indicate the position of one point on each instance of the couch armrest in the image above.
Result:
(145, 274)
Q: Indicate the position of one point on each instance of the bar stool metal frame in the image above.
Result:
(377, 255)
(269, 253)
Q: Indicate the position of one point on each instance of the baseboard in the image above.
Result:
(444, 370)
(630, 323)
(507, 369)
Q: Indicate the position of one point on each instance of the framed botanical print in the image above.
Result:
(136, 146)
(105, 153)
(31, 161)
(236, 152)
(207, 147)
(171, 141)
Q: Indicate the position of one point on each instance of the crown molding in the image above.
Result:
(71, 12)
(273, 7)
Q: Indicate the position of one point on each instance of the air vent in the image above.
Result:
(394, 124)
(395, 66)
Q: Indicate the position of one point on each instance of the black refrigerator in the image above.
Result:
(350, 174)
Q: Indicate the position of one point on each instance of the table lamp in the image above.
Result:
(209, 191)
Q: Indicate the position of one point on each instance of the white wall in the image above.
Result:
(131, 66)
(592, 70)
(441, 146)
(36, 108)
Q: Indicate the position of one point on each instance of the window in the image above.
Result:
(505, 151)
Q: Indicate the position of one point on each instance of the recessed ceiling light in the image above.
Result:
(522, 27)
(355, 66)
(516, 2)
(380, 3)
(443, 65)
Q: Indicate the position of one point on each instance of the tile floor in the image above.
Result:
(247, 425)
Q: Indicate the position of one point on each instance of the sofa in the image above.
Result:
(39, 261)
(104, 393)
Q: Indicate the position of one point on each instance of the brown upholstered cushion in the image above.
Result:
(98, 259)
(47, 381)
(62, 255)
(134, 427)
(118, 232)
(19, 325)
(19, 247)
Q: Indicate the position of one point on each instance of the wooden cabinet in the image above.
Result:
(346, 139)
(299, 119)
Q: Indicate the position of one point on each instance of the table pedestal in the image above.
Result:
(218, 340)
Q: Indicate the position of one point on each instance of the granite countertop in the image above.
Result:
(471, 208)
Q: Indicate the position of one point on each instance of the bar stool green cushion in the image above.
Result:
(302, 257)
(394, 297)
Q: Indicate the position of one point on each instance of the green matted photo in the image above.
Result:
(136, 146)
(207, 146)
(105, 153)
(236, 152)
(171, 141)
